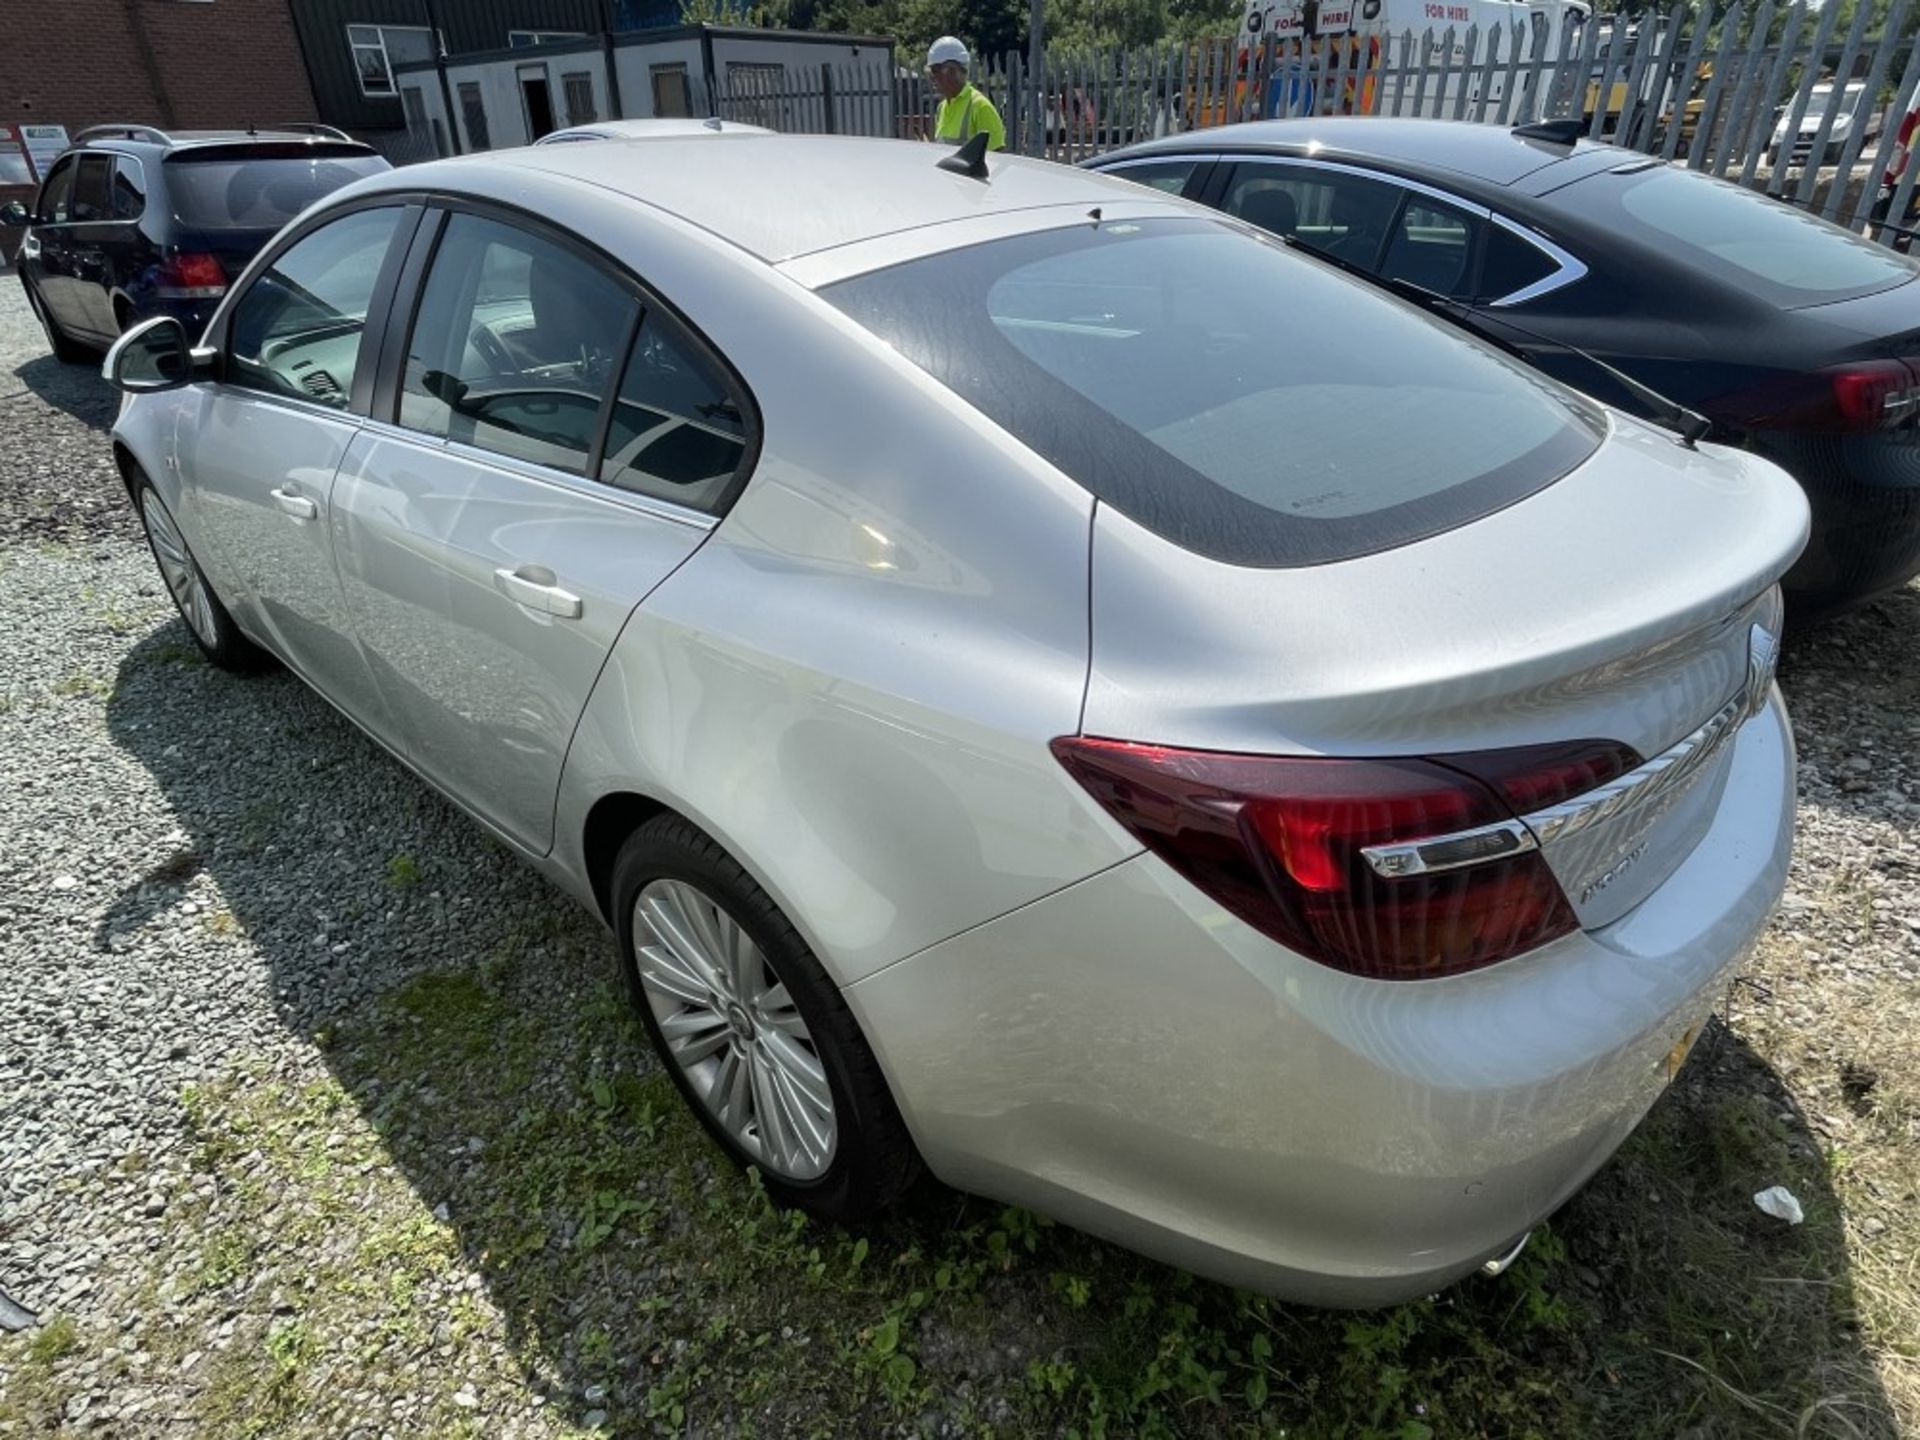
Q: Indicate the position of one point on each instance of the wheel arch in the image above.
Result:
(610, 820)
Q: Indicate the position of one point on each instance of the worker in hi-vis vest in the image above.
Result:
(964, 112)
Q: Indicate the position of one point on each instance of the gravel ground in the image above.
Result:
(285, 1045)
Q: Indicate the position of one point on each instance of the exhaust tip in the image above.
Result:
(1500, 1263)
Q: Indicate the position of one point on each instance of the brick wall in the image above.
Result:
(188, 64)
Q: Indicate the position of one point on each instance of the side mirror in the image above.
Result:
(154, 355)
(14, 213)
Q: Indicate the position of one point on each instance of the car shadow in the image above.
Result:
(466, 1012)
(76, 390)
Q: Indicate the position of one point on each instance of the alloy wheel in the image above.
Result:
(177, 568)
(733, 1029)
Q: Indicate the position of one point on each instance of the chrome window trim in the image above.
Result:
(1569, 268)
(545, 475)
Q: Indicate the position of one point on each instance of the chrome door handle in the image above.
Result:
(538, 592)
(295, 504)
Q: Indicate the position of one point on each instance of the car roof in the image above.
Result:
(654, 129)
(1492, 154)
(148, 138)
(782, 196)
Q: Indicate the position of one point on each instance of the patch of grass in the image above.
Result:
(403, 872)
(55, 1340)
(77, 685)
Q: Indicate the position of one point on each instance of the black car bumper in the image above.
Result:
(1864, 492)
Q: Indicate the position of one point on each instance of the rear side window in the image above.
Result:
(92, 197)
(1781, 254)
(1510, 264)
(516, 345)
(1431, 247)
(129, 188)
(678, 430)
(234, 194)
(1238, 399)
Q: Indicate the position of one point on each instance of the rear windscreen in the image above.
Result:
(1245, 402)
(251, 194)
(1782, 255)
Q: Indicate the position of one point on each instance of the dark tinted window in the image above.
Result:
(677, 431)
(257, 194)
(1784, 255)
(1510, 264)
(1241, 400)
(296, 330)
(1431, 246)
(92, 197)
(517, 343)
(1344, 215)
(1169, 176)
(129, 189)
(56, 197)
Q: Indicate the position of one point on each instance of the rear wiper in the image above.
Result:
(1690, 425)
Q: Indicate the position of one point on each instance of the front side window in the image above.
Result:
(1432, 247)
(93, 189)
(129, 189)
(1168, 176)
(516, 345)
(296, 331)
(1240, 400)
(678, 430)
(56, 196)
(1345, 215)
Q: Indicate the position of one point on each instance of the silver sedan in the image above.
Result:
(1040, 681)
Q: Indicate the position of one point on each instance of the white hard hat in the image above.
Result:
(947, 51)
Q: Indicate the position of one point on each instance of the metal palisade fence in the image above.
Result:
(1781, 97)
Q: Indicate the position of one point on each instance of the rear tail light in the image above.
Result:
(1319, 855)
(190, 276)
(1859, 396)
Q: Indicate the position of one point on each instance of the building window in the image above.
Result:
(578, 86)
(520, 39)
(378, 48)
(671, 100)
(473, 114)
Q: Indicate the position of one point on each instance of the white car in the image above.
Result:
(1039, 678)
(648, 130)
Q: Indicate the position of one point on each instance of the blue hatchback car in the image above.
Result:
(133, 222)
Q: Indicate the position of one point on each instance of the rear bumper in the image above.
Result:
(1126, 1056)
(1864, 494)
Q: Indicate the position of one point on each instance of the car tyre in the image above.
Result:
(753, 1041)
(207, 620)
(65, 349)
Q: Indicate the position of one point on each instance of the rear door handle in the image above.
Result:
(533, 587)
(295, 504)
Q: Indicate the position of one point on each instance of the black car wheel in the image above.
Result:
(207, 619)
(66, 350)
